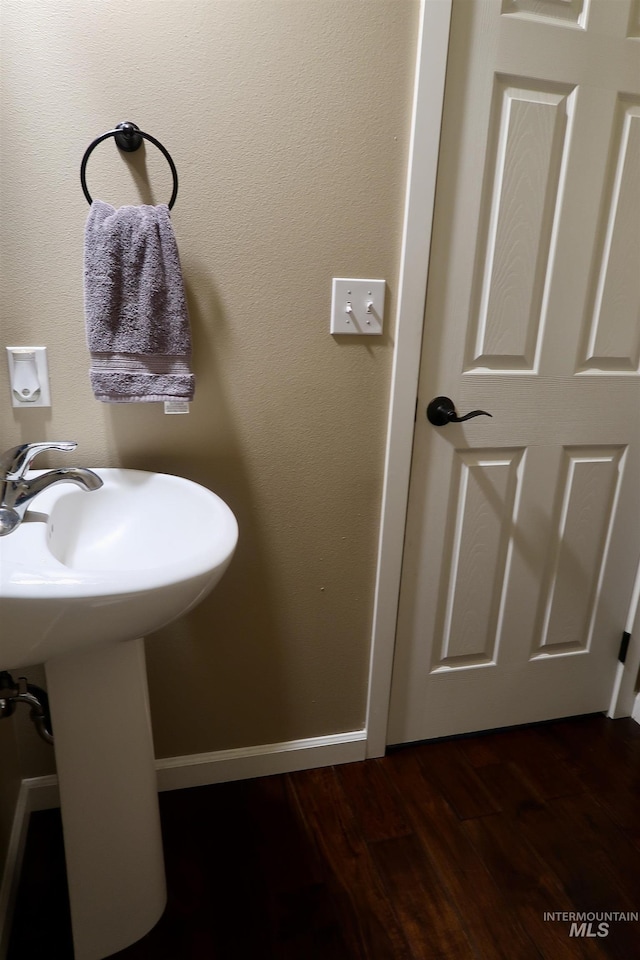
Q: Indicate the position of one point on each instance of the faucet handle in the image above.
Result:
(15, 462)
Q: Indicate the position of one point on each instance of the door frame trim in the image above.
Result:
(428, 102)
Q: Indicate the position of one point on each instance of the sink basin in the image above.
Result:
(109, 565)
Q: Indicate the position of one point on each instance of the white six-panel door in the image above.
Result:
(523, 529)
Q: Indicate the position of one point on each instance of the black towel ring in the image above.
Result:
(128, 137)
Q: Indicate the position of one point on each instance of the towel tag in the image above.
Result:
(176, 406)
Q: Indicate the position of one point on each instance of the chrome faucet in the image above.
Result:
(17, 491)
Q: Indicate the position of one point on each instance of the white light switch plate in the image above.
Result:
(357, 306)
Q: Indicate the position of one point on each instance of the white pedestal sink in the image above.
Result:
(82, 580)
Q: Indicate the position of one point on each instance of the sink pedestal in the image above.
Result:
(108, 796)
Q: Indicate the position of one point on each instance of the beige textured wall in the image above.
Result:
(288, 121)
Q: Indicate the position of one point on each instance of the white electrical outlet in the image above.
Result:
(357, 306)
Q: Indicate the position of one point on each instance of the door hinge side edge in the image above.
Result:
(624, 646)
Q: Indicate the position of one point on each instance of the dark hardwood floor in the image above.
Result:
(452, 849)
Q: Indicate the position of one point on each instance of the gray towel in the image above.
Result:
(136, 313)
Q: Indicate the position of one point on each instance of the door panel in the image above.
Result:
(481, 510)
(614, 331)
(582, 519)
(523, 171)
(523, 529)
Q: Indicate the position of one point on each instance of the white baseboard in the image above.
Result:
(199, 769)
(12, 866)
(37, 794)
(176, 773)
(635, 713)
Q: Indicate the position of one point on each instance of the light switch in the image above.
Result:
(357, 306)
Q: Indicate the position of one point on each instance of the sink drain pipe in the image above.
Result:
(12, 693)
